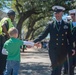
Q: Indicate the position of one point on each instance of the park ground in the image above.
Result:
(35, 61)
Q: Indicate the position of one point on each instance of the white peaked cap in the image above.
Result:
(58, 8)
(72, 11)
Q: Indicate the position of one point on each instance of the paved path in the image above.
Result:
(35, 62)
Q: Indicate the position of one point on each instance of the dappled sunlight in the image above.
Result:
(34, 69)
(35, 61)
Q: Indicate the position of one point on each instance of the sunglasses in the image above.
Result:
(72, 14)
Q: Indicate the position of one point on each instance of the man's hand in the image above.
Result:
(73, 52)
(38, 45)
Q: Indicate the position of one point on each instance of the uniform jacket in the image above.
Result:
(74, 36)
(60, 42)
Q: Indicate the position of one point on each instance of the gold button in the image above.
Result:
(62, 44)
(65, 32)
(62, 39)
(62, 34)
(56, 34)
(56, 43)
(57, 39)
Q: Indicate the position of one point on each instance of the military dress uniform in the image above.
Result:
(72, 59)
(58, 44)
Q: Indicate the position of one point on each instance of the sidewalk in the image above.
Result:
(35, 62)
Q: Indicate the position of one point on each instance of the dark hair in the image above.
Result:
(11, 12)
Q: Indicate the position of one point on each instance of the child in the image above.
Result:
(12, 49)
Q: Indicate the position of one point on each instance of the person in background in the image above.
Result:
(72, 59)
(59, 31)
(5, 24)
(11, 48)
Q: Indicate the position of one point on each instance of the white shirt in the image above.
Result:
(30, 43)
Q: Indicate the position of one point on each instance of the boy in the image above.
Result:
(12, 49)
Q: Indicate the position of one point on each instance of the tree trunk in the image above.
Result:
(19, 25)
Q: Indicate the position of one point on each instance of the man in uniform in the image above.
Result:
(5, 24)
(58, 45)
(72, 59)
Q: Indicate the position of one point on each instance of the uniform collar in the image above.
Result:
(59, 21)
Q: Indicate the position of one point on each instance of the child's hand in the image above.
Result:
(37, 44)
(28, 46)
